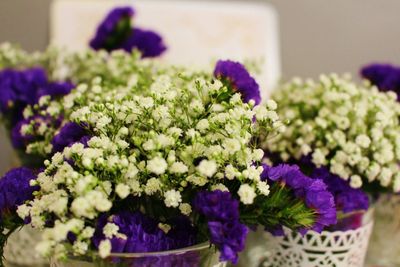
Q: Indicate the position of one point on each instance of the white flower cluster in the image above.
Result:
(121, 79)
(354, 130)
(165, 144)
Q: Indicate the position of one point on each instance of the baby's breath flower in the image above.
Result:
(157, 165)
(349, 128)
(246, 194)
(172, 198)
(207, 168)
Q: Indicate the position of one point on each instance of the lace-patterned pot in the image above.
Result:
(20, 249)
(201, 255)
(384, 248)
(339, 248)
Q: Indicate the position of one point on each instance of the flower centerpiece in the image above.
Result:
(345, 134)
(165, 159)
(384, 248)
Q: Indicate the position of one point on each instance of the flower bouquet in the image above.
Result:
(384, 248)
(159, 166)
(348, 136)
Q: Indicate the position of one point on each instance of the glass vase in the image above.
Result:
(20, 249)
(344, 245)
(384, 248)
(202, 255)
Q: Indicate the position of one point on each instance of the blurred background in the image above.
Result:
(315, 36)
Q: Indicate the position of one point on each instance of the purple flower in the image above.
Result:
(149, 43)
(143, 234)
(313, 192)
(18, 89)
(113, 30)
(55, 89)
(69, 134)
(222, 214)
(217, 205)
(347, 199)
(229, 237)
(239, 79)
(386, 77)
(15, 189)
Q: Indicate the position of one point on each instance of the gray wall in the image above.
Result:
(316, 35)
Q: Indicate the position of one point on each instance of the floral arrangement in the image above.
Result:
(350, 131)
(134, 156)
(164, 147)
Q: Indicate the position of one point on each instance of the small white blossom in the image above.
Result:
(178, 167)
(104, 248)
(246, 194)
(157, 165)
(164, 227)
(172, 198)
(355, 181)
(263, 187)
(185, 209)
(207, 167)
(110, 230)
(220, 187)
(122, 190)
(153, 185)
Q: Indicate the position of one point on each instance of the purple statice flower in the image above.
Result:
(313, 192)
(149, 43)
(69, 134)
(15, 189)
(143, 234)
(229, 237)
(385, 76)
(347, 199)
(113, 30)
(217, 205)
(55, 89)
(239, 79)
(18, 89)
(222, 214)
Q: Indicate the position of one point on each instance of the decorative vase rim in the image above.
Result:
(178, 251)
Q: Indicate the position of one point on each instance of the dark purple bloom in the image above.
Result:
(385, 76)
(113, 30)
(69, 134)
(239, 79)
(18, 89)
(229, 237)
(217, 205)
(222, 214)
(347, 199)
(15, 189)
(55, 89)
(149, 43)
(143, 234)
(313, 192)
